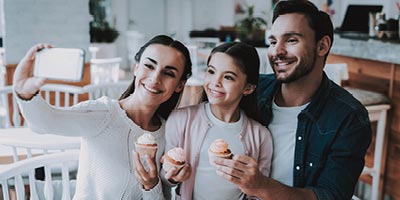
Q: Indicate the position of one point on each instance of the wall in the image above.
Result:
(179, 18)
(1, 19)
(148, 16)
(120, 14)
(58, 22)
(212, 14)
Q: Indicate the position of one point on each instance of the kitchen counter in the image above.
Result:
(371, 49)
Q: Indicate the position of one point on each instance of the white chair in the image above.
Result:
(49, 189)
(2, 68)
(93, 52)
(105, 70)
(23, 147)
(112, 90)
(9, 109)
(59, 90)
(377, 106)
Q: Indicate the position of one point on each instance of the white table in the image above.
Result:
(26, 138)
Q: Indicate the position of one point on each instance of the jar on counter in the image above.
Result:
(381, 25)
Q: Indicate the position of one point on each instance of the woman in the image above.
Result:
(109, 128)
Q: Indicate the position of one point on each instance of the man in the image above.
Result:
(320, 132)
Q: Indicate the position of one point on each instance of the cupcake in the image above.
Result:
(219, 148)
(174, 158)
(146, 145)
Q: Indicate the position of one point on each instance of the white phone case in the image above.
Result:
(60, 64)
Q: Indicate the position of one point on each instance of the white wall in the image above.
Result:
(61, 23)
(186, 15)
(212, 14)
(1, 19)
(120, 14)
(179, 18)
(149, 16)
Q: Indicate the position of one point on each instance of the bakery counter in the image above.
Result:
(371, 49)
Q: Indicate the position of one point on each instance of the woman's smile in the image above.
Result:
(153, 90)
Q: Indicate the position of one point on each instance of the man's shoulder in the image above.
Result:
(342, 97)
(266, 78)
(342, 104)
(265, 82)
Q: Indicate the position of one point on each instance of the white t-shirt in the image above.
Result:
(283, 130)
(207, 184)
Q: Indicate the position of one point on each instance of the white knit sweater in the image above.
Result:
(108, 135)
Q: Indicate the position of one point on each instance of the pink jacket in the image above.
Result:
(187, 128)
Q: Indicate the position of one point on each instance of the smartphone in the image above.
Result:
(60, 64)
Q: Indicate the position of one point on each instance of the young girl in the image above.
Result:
(109, 127)
(230, 114)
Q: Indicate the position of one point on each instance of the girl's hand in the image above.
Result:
(148, 178)
(25, 85)
(179, 175)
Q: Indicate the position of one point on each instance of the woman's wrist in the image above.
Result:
(25, 97)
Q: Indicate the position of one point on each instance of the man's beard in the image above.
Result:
(302, 69)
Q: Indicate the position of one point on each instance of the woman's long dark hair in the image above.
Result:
(246, 58)
(165, 108)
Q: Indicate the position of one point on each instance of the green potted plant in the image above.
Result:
(100, 30)
(251, 29)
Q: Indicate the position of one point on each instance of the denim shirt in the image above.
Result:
(332, 137)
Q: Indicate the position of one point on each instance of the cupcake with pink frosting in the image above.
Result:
(219, 148)
(175, 157)
(146, 145)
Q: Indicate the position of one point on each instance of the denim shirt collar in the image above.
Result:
(269, 86)
(314, 109)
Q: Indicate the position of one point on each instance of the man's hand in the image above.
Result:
(240, 170)
(243, 171)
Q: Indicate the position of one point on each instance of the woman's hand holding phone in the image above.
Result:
(25, 85)
(44, 62)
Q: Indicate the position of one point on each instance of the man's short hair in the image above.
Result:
(318, 20)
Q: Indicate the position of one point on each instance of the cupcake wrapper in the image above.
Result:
(146, 150)
(167, 165)
(212, 156)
